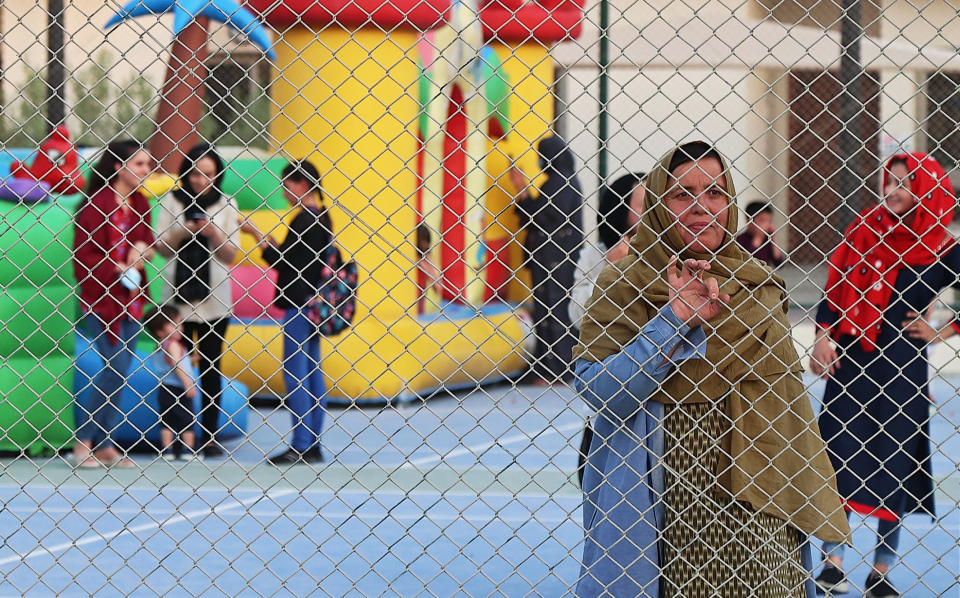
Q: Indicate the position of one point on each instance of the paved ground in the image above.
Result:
(467, 494)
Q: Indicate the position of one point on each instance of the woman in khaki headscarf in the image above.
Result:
(707, 471)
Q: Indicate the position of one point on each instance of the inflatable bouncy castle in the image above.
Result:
(413, 111)
(369, 91)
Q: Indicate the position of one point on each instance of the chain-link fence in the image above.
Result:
(304, 297)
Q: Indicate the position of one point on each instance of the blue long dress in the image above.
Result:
(875, 416)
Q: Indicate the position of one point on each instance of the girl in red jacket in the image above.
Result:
(112, 239)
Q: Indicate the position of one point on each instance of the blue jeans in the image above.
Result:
(306, 390)
(99, 420)
(888, 539)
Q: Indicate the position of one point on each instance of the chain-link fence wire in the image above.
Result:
(293, 293)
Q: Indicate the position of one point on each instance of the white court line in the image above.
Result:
(141, 528)
(420, 514)
(91, 490)
(499, 442)
(364, 514)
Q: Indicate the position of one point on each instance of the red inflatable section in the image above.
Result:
(524, 20)
(385, 14)
(57, 164)
(452, 230)
(498, 272)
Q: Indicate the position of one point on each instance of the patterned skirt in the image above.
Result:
(713, 545)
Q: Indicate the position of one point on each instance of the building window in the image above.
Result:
(943, 119)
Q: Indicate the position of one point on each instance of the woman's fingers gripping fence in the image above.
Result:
(693, 298)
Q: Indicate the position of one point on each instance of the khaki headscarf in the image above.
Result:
(777, 459)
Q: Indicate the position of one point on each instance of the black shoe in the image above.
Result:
(294, 457)
(831, 581)
(212, 451)
(879, 587)
(314, 455)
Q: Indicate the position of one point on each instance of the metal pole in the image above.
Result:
(604, 65)
(56, 67)
(851, 181)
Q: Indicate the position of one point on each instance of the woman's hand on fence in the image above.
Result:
(693, 298)
(824, 361)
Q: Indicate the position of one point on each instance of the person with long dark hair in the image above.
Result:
(871, 346)
(199, 233)
(551, 214)
(298, 261)
(112, 240)
(618, 213)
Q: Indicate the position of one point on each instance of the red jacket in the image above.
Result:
(96, 242)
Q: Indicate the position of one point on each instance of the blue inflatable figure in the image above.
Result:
(139, 408)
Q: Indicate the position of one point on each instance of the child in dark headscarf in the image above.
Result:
(759, 238)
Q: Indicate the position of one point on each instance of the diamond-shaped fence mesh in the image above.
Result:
(479, 297)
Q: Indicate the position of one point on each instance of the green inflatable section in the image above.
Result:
(37, 313)
(255, 184)
(38, 310)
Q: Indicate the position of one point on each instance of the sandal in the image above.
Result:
(111, 457)
(90, 462)
(81, 452)
(123, 463)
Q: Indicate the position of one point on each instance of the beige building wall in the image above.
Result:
(719, 70)
(923, 23)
